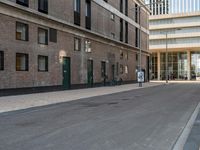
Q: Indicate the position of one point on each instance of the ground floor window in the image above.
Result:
(121, 69)
(195, 65)
(42, 63)
(117, 68)
(42, 36)
(21, 31)
(1, 60)
(154, 66)
(177, 66)
(21, 62)
(126, 69)
(77, 44)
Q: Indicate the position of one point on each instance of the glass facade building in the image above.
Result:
(177, 66)
(178, 29)
(195, 65)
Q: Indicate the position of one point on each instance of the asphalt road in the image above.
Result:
(145, 119)
(193, 141)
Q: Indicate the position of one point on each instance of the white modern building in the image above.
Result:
(177, 36)
(174, 6)
(183, 46)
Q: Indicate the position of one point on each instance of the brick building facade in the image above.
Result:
(70, 42)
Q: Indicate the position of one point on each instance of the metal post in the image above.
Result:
(166, 60)
(140, 35)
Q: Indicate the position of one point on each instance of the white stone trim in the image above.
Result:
(192, 46)
(175, 36)
(176, 25)
(168, 16)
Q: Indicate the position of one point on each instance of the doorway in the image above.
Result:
(113, 72)
(90, 73)
(103, 72)
(66, 73)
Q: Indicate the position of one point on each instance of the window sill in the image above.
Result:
(22, 40)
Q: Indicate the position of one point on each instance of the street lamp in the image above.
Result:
(166, 59)
(166, 55)
(140, 33)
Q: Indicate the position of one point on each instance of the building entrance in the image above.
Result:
(66, 73)
(90, 73)
(177, 66)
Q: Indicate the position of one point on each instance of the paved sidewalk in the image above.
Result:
(12, 103)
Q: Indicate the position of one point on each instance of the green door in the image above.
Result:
(90, 73)
(103, 72)
(66, 73)
(113, 72)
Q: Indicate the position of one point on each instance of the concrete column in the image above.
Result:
(158, 63)
(187, 6)
(189, 64)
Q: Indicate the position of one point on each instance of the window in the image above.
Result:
(42, 36)
(21, 31)
(121, 6)
(126, 32)
(53, 35)
(126, 7)
(23, 2)
(121, 54)
(21, 62)
(77, 5)
(112, 17)
(1, 60)
(121, 69)
(136, 37)
(77, 10)
(77, 44)
(121, 30)
(137, 10)
(126, 56)
(103, 69)
(113, 35)
(88, 46)
(88, 15)
(117, 68)
(136, 57)
(126, 69)
(42, 63)
(43, 6)
(88, 8)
